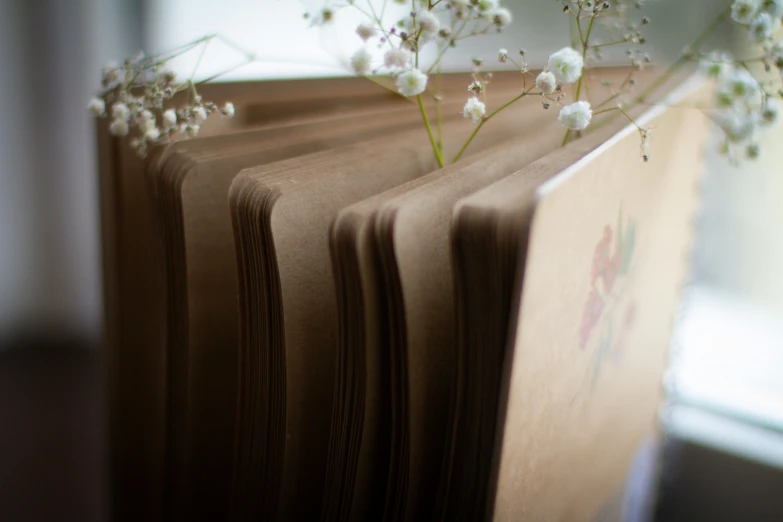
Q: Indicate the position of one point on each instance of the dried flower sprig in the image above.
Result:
(137, 94)
(597, 26)
(745, 101)
(136, 97)
(444, 25)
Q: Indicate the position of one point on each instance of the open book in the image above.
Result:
(306, 320)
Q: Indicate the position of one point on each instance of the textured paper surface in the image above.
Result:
(607, 256)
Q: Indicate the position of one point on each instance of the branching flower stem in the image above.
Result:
(433, 142)
(585, 44)
(486, 119)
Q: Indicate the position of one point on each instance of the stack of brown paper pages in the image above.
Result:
(306, 319)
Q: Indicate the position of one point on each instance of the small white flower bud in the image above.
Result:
(192, 130)
(576, 116)
(397, 58)
(119, 128)
(761, 28)
(120, 111)
(228, 110)
(424, 25)
(474, 109)
(327, 15)
(738, 127)
(745, 11)
(501, 17)
(776, 53)
(771, 111)
(503, 55)
(146, 115)
(168, 76)
(361, 61)
(146, 124)
(566, 64)
(111, 75)
(773, 8)
(547, 82)
(152, 134)
(96, 106)
(716, 64)
(199, 115)
(366, 31)
(169, 118)
(742, 85)
(412, 82)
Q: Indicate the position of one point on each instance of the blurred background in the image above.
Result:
(723, 454)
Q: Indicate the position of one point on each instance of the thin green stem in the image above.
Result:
(435, 149)
(616, 42)
(585, 44)
(596, 113)
(198, 61)
(684, 58)
(485, 120)
(579, 27)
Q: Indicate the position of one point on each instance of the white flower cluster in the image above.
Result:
(743, 103)
(576, 116)
(138, 93)
(474, 109)
(442, 24)
(762, 17)
(565, 67)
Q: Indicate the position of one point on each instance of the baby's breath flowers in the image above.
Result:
(501, 17)
(576, 116)
(438, 24)
(442, 25)
(366, 31)
(412, 82)
(96, 106)
(119, 127)
(474, 109)
(546, 82)
(361, 61)
(422, 25)
(745, 11)
(227, 110)
(566, 65)
(397, 59)
(745, 100)
(169, 118)
(138, 94)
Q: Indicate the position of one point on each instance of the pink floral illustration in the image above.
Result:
(590, 316)
(611, 262)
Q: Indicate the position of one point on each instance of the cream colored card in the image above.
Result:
(607, 255)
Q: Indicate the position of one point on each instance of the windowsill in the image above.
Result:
(727, 391)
